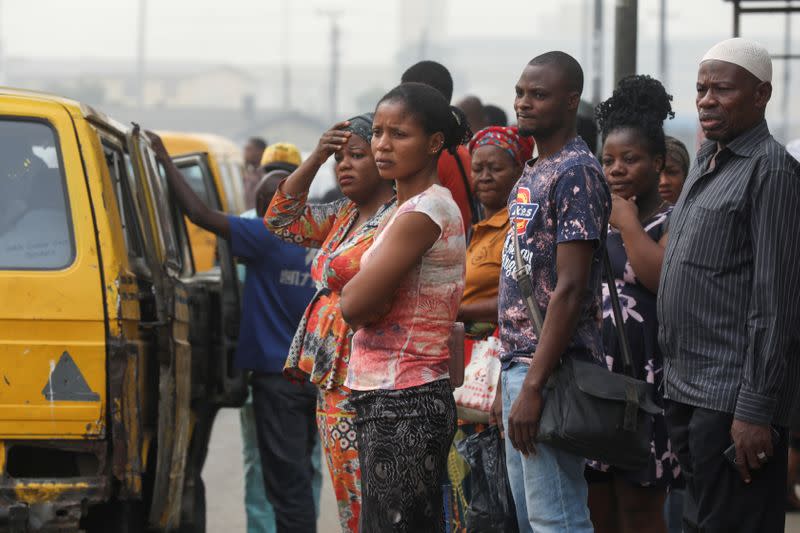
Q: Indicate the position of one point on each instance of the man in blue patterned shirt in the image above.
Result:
(559, 213)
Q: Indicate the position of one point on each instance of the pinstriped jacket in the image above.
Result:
(729, 297)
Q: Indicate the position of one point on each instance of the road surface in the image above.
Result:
(224, 486)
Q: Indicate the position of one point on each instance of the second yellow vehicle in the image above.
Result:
(199, 155)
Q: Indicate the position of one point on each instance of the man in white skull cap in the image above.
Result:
(728, 303)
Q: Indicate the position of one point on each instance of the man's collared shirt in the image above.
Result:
(728, 302)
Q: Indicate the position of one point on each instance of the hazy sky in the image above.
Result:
(253, 32)
(250, 31)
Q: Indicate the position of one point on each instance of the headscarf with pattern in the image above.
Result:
(361, 125)
(506, 137)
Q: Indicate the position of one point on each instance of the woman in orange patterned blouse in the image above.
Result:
(343, 231)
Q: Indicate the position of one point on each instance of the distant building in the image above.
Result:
(240, 101)
(167, 84)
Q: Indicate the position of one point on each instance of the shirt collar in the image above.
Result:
(747, 143)
(744, 145)
(572, 142)
(498, 220)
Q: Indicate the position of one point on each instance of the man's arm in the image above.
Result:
(573, 267)
(772, 315)
(191, 204)
(251, 241)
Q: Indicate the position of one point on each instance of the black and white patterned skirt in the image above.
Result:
(404, 437)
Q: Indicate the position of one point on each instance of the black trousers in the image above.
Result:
(717, 500)
(285, 428)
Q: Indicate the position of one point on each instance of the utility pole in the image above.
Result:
(286, 89)
(597, 53)
(663, 69)
(333, 89)
(2, 50)
(422, 49)
(787, 72)
(140, 51)
(585, 24)
(625, 38)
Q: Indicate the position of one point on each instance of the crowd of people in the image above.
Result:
(449, 215)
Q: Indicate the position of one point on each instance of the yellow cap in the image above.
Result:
(281, 154)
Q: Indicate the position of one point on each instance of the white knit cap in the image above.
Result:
(749, 55)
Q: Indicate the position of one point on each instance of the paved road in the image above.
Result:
(224, 482)
(224, 493)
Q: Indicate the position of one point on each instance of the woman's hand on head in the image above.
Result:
(331, 142)
(624, 212)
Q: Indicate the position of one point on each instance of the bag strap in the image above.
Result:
(525, 285)
(625, 348)
(523, 280)
(630, 418)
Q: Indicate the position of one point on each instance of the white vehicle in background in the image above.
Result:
(325, 181)
(793, 147)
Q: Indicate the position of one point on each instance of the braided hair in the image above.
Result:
(640, 103)
(434, 113)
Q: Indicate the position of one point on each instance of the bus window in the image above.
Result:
(35, 222)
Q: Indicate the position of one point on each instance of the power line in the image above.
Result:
(2, 50)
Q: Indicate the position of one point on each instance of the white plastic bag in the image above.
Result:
(474, 398)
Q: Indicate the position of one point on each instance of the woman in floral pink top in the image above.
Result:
(402, 304)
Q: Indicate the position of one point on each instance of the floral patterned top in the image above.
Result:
(408, 346)
(640, 319)
(320, 350)
(558, 199)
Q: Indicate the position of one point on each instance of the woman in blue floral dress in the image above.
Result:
(633, 156)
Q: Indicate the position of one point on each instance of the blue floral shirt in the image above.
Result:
(558, 199)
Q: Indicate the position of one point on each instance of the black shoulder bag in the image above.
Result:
(588, 410)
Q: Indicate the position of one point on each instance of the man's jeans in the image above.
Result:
(549, 489)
